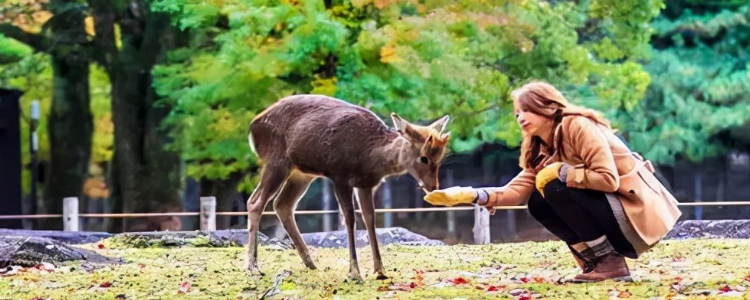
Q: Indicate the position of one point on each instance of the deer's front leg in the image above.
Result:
(367, 205)
(346, 202)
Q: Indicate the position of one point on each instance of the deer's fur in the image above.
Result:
(303, 137)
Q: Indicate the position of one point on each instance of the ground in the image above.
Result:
(687, 269)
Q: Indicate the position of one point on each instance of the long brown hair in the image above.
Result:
(545, 100)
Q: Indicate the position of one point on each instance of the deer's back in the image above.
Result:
(319, 134)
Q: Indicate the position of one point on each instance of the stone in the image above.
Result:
(28, 251)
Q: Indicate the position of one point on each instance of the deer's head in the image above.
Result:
(426, 151)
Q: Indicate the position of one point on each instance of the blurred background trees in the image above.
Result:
(138, 95)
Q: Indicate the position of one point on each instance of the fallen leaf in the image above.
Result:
(458, 280)
(184, 287)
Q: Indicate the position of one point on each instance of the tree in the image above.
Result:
(129, 40)
(696, 106)
(420, 59)
(70, 122)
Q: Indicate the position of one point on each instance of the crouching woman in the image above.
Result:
(581, 183)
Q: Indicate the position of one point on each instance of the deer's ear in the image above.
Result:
(412, 133)
(443, 140)
(398, 122)
(440, 124)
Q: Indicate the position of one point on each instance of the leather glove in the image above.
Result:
(452, 196)
(549, 173)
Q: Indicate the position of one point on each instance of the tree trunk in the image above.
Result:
(69, 129)
(70, 122)
(146, 175)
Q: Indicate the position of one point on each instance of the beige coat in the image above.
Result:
(644, 208)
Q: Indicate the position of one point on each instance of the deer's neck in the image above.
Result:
(395, 154)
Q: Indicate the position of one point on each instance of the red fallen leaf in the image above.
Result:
(105, 284)
(524, 296)
(747, 278)
(458, 280)
(493, 288)
(100, 246)
(419, 279)
(725, 289)
(524, 279)
(184, 287)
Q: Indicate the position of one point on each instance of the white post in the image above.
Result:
(70, 214)
(451, 214)
(387, 203)
(481, 225)
(208, 213)
(327, 204)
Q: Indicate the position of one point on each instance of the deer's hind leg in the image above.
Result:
(285, 204)
(272, 178)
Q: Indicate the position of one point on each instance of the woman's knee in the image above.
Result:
(537, 205)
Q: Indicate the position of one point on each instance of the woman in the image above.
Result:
(581, 183)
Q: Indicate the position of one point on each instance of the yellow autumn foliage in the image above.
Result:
(29, 20)
(324, 86)
(224, 124)
(388, 54)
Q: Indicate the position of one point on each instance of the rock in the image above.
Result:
(386, 236)
(176, 239)
(690, 229)
(27, 251)
(70, 237)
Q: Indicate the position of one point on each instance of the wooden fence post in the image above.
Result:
(70, 214)
(481, 225)
(208, 213)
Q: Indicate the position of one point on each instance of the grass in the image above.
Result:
(685, 269)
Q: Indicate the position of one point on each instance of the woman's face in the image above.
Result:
(531, 123)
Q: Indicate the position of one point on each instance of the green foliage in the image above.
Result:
(271, 49)
(12, 51)
(419, 59)
(699, 88)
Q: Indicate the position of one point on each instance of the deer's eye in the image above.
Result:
(423, 159)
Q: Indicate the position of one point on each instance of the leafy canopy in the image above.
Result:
(420, 59)
(699, 87)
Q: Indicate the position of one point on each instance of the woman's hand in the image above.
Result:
(558, 170)
(453, 196)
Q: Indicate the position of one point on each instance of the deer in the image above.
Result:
(302, 137)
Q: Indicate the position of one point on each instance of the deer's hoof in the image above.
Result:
(253, 270)
(381, 276)
(356, 278)
(310, 265)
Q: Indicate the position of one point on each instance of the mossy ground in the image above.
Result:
(216, 273)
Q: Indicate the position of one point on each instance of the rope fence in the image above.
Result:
(208, 214)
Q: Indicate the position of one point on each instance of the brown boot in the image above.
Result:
(608, 264)
(584, 264)
(611, 266)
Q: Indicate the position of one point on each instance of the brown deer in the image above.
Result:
(302, 137)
